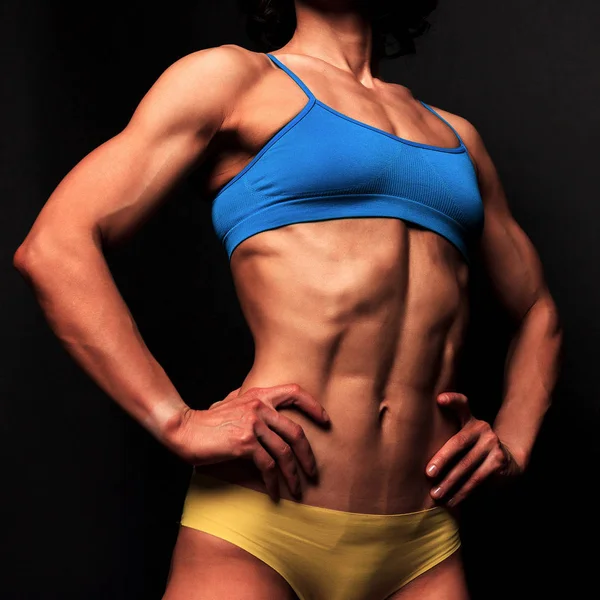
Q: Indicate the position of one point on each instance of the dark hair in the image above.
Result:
(271, 23)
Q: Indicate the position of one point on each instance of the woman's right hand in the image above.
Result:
(248, 425)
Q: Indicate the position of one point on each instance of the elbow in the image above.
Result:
(41, 254)
(545, 319)
(48, 259)
(550, 315)
(27, 255)
(553, 326)
(560, 343)
(555, 322)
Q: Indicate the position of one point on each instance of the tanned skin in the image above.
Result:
(365, 318)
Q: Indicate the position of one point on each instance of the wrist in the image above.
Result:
(516, 457)
(165, 419)
(516, 449)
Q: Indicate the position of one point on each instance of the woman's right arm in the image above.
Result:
(103, 200)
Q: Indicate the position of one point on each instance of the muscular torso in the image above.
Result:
(366, 314)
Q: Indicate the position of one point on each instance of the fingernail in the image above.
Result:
(326, 416)
(437, 492)
(431, 470)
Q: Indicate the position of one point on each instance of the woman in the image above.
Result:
(349, 210)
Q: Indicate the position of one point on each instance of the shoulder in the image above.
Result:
(226, 66)
(202, 87)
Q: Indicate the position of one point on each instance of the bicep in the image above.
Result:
(113, 189)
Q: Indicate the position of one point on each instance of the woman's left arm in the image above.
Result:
(516, 273)
(534, 356)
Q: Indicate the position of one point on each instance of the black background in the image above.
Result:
(90, 501)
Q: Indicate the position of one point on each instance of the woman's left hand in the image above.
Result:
(471, 456)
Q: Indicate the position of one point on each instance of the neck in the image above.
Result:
(336, 31)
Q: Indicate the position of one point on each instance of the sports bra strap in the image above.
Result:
(460, 141)
(293, 75)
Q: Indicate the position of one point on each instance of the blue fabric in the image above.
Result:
(326, 165)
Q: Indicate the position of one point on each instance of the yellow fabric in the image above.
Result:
(324, 554)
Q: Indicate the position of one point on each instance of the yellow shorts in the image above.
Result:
(324, 554)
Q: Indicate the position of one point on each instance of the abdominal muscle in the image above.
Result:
(368, 315)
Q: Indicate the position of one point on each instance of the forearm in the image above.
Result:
(531, 370)
(82, 305)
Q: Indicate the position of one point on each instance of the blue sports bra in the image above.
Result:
(325, 165)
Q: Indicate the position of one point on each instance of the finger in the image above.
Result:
(282, 453)
(231, 396)
(294, 435)
(268, 468)
(457, 445)
(457, 402)
(485, 470)
(292, 394)
(461, 470)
